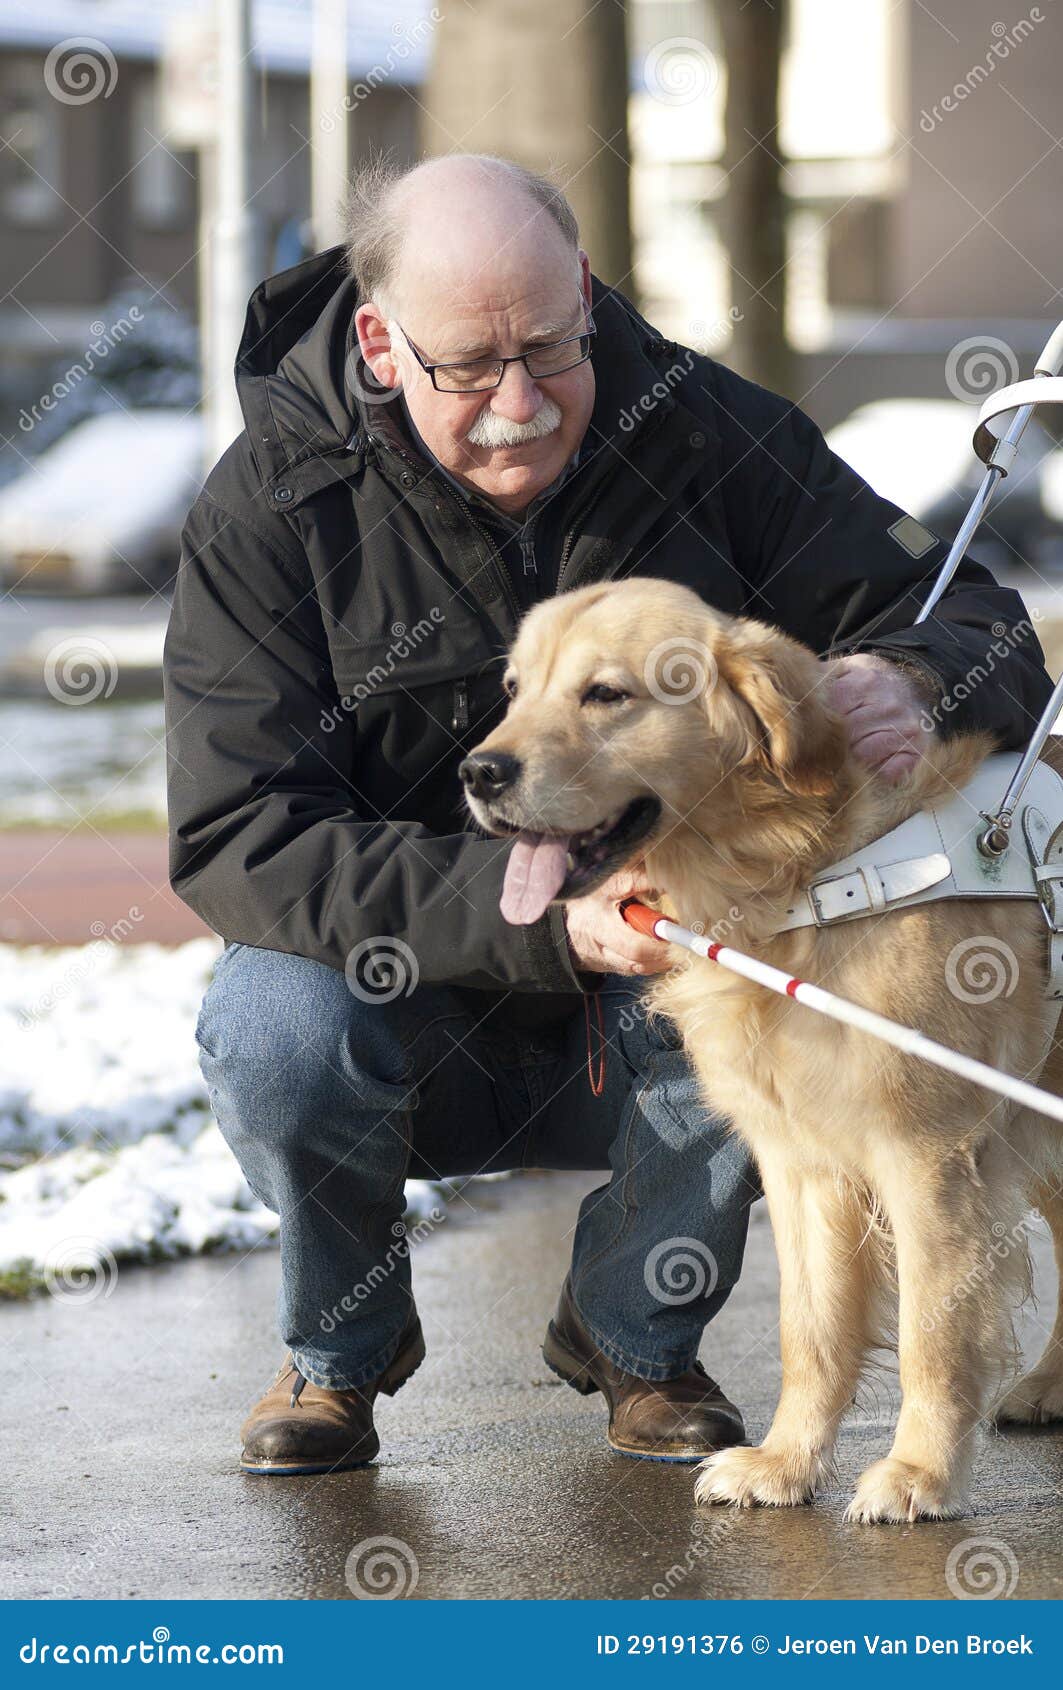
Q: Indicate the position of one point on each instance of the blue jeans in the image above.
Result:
(330, 1102)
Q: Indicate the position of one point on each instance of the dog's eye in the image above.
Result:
(599, 693)
(509, 687)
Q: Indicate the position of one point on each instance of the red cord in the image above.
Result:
(597, 1086)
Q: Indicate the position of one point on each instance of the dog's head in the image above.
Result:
(637, 712)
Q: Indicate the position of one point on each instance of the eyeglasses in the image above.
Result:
(479, 375)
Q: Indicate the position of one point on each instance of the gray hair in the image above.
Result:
(374, 226)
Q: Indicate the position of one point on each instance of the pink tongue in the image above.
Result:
(535, 874)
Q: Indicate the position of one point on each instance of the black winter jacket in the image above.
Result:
(340, 616)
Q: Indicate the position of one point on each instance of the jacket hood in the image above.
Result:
(303, 384)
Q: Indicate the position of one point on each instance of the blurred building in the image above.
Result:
(93, 194)
(924, 177)
(923, 172)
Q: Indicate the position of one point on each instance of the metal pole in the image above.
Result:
(234, 261)
(999, 461)
(995, 837)
(329, 106)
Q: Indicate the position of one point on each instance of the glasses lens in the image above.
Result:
(468, 378)
(564, 355)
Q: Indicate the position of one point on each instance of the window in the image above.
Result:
(30, 157)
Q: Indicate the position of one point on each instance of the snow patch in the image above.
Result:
(108, 1144)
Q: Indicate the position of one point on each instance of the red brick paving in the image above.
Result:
(72, 888)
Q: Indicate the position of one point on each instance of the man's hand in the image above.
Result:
(883, 711)
(601, 940)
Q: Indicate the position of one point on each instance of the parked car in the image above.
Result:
(102, 509)
(919, 453)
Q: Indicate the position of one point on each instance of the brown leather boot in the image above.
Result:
(298, 1427)
(681, 1419)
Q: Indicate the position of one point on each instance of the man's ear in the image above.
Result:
(375, 343)
(794, 734)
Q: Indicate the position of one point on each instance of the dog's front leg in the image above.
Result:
(953, 1324)
(827, 1294)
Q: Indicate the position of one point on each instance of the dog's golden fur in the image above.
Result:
(877, 1168)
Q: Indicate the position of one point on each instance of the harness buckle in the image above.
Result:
(830, 896)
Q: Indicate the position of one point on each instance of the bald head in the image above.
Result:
(457, 213)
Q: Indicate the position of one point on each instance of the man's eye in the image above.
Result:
(599, 693)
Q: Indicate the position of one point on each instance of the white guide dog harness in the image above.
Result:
(934, 854)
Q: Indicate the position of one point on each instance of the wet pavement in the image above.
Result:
(494, 1479)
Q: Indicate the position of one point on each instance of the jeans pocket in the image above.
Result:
(228, 953)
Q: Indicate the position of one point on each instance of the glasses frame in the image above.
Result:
(430, 368)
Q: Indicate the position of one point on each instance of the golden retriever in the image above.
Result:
(643, 724)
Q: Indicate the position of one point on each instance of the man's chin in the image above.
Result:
(514, 470)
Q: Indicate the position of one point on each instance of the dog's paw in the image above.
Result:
(1033, 1402)
(742, 1477)
(896, 1491)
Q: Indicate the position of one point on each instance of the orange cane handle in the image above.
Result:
(640, 917)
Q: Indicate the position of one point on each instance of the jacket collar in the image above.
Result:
(309, 402)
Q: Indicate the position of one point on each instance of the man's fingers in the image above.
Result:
(897, 768)
(878, 741)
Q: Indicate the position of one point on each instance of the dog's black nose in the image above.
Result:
(486, 774)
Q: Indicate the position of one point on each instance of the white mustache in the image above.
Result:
(491, 430)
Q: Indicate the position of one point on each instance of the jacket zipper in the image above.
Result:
(570, 537)
(496, 564)
(460, 688)
(499, 568)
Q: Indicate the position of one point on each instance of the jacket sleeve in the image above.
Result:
(831, 562)
(270, 842)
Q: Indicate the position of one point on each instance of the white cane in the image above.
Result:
(909, 1039)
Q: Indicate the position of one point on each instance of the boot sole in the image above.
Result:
(567, 1365)
(401, 1367)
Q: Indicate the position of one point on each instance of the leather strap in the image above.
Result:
(870, 887)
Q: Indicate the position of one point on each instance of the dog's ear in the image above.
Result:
(795, 735)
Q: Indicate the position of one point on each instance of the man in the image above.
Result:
(448, 418)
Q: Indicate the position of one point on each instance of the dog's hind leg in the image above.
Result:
(1038, 1399)
(829, 1274)
(954, 1325)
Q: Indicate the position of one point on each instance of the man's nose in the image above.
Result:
(486, 774)
(516, 397)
